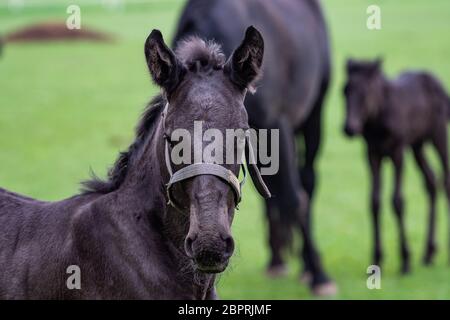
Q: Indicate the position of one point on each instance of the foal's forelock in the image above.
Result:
(193, 51)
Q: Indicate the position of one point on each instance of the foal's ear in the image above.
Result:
(375, 67)
(244, 65)
(165, 68)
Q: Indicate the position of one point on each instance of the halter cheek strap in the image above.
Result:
(198, 169)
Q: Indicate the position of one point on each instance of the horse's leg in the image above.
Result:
(276, 266)
(312, 136)
(397, 201)
(293, 203)
(306, 276)
(313, 270)
(375, 166)
(440, 142)
(320, 282)
(430, 184)
(280, 209)
(307, 273)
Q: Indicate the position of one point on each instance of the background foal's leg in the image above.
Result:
(440, 142)
(375, 166)
(430, 183)
(397, 200)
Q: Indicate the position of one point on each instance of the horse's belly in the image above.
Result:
(299, 109)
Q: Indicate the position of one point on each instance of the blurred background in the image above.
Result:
(68, 107)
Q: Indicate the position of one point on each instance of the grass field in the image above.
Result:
(65, 108)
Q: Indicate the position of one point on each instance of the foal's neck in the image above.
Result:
(375, 118)
(146, 182)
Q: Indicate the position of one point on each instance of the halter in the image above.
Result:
(198, 169)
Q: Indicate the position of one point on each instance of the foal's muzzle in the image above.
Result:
(210, 253)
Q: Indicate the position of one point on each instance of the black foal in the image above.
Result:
(392, 115)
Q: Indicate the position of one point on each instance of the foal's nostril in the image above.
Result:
(188, 246)
(229, 246)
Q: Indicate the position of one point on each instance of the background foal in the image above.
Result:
(393, 115)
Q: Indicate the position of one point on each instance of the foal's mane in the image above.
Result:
(196, 55)
(118, 172)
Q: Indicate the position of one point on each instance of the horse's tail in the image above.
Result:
(448, 107)
(446, 100)
(2, 44)
(438, 93)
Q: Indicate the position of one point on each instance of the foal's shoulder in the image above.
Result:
(86, 207)
(92, 213)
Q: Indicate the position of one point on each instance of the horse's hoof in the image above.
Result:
(306, 277)
(277, 271)
(406, 269)
(429, 257)
(327, 289)
(427, 260)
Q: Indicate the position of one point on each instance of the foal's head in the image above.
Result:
(200, 85)
(363, 91)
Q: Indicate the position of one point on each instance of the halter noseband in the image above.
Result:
(198, 169)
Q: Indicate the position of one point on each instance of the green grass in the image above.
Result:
(65, 108)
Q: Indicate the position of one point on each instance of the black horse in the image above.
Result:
(121, 233)
(296, 75)
(393, 115)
